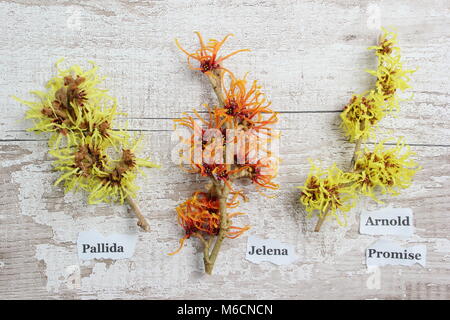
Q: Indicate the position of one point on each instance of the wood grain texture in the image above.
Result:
(310, 57)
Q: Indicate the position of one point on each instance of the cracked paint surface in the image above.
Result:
(310, 62)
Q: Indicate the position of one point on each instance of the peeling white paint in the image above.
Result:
(323, 58)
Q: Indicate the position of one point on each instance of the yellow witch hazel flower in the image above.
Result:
(79, 117)
(79, 164)
(74, 105)
(327, 191)
(385, 170)
(390, 73)
(116, 182)
(388, 170)
(360, 116)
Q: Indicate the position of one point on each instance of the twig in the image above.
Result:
(211, 258)
(355, 153)
(222, 191)
(216, 83)
(142, 222)
(215, 78)
(206, 246)
(358, 144)
(322, 219)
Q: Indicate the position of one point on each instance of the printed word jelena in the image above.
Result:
(268, 251)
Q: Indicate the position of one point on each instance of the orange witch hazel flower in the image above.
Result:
(233, 140)
(200, 216)
(264, 171)
(207, 54)
(248, 107)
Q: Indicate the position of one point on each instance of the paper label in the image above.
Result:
(259, 250)
(94, 245)
(384, 252)
(387, 221)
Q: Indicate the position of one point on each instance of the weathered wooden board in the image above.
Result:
(310, 56)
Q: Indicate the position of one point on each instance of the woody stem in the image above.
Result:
(358, 144)
(142, 222)
(321, 219)
(221, 191)
(355, 153)
(214, 78)
(210, 258)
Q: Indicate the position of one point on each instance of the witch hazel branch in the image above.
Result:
(230, 141)
(89, 153)
(332, 191)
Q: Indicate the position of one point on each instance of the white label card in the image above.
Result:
(384, 252)
(387, 221)
(271, 250)
(94, 245)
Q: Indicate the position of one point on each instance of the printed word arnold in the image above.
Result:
(388, 222)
